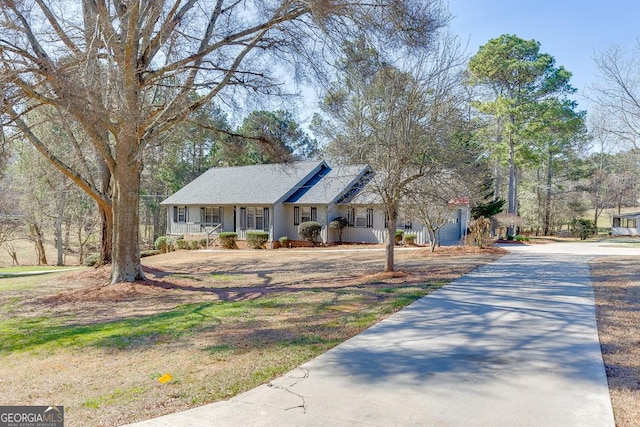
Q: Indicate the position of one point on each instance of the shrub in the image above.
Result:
(284, 242)
(582, 228)
(257, 239)
(339, 224)
(509, 237)
(310, 231)
(399, 236)
(182, 243)
(479, 229)
(228, 240)
(521, 238)
(91, 260)
(410, 238)
(165, 244)
(194, 244)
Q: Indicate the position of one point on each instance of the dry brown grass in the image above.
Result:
(218, 322)
(617, 289)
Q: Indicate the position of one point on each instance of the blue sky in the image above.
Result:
(572, 31)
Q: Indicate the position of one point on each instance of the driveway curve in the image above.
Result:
(513, 343)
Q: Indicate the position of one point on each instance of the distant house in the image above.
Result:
(278, 197)
(625, 224)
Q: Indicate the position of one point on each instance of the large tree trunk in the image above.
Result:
(126, 266)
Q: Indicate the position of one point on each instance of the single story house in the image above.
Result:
(625, 224)
(278, 197)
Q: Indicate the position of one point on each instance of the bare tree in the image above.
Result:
(610, 175)
(431, 200)
(82, 218)
(393, 120)
(617, 93)
(125, 70)
(8, 226)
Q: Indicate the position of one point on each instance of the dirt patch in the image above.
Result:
(96, 288)
(617, 290)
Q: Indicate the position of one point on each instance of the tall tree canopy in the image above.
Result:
(126, 70)
(271, 137)
(516, 77)
(557, 137)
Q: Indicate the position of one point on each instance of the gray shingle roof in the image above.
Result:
(255, 184)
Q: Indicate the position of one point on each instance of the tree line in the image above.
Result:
(129, 100)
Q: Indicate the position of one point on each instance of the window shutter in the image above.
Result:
(202, 219)
(175, 214)
(243, 218)
(186, 214)
(314, 213)
(370, 218)
(296, 215)
(351, 216)
(265, 219)
(386, 219)
(221, 215)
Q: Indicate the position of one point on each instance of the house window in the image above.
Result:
(304, 214)
(251, 214)
(616, 222)
(254, 218)
(211, 215)
(182, 214)
(259, 213)
(631, 223)
(362, 217)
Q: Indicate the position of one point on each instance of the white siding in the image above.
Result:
(375, 234)
(622, 231)
(279, 222)
(448, 234)
(291, 230)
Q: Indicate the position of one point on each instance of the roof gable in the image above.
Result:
(331, 185)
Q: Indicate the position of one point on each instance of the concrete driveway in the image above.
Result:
(513, 343)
